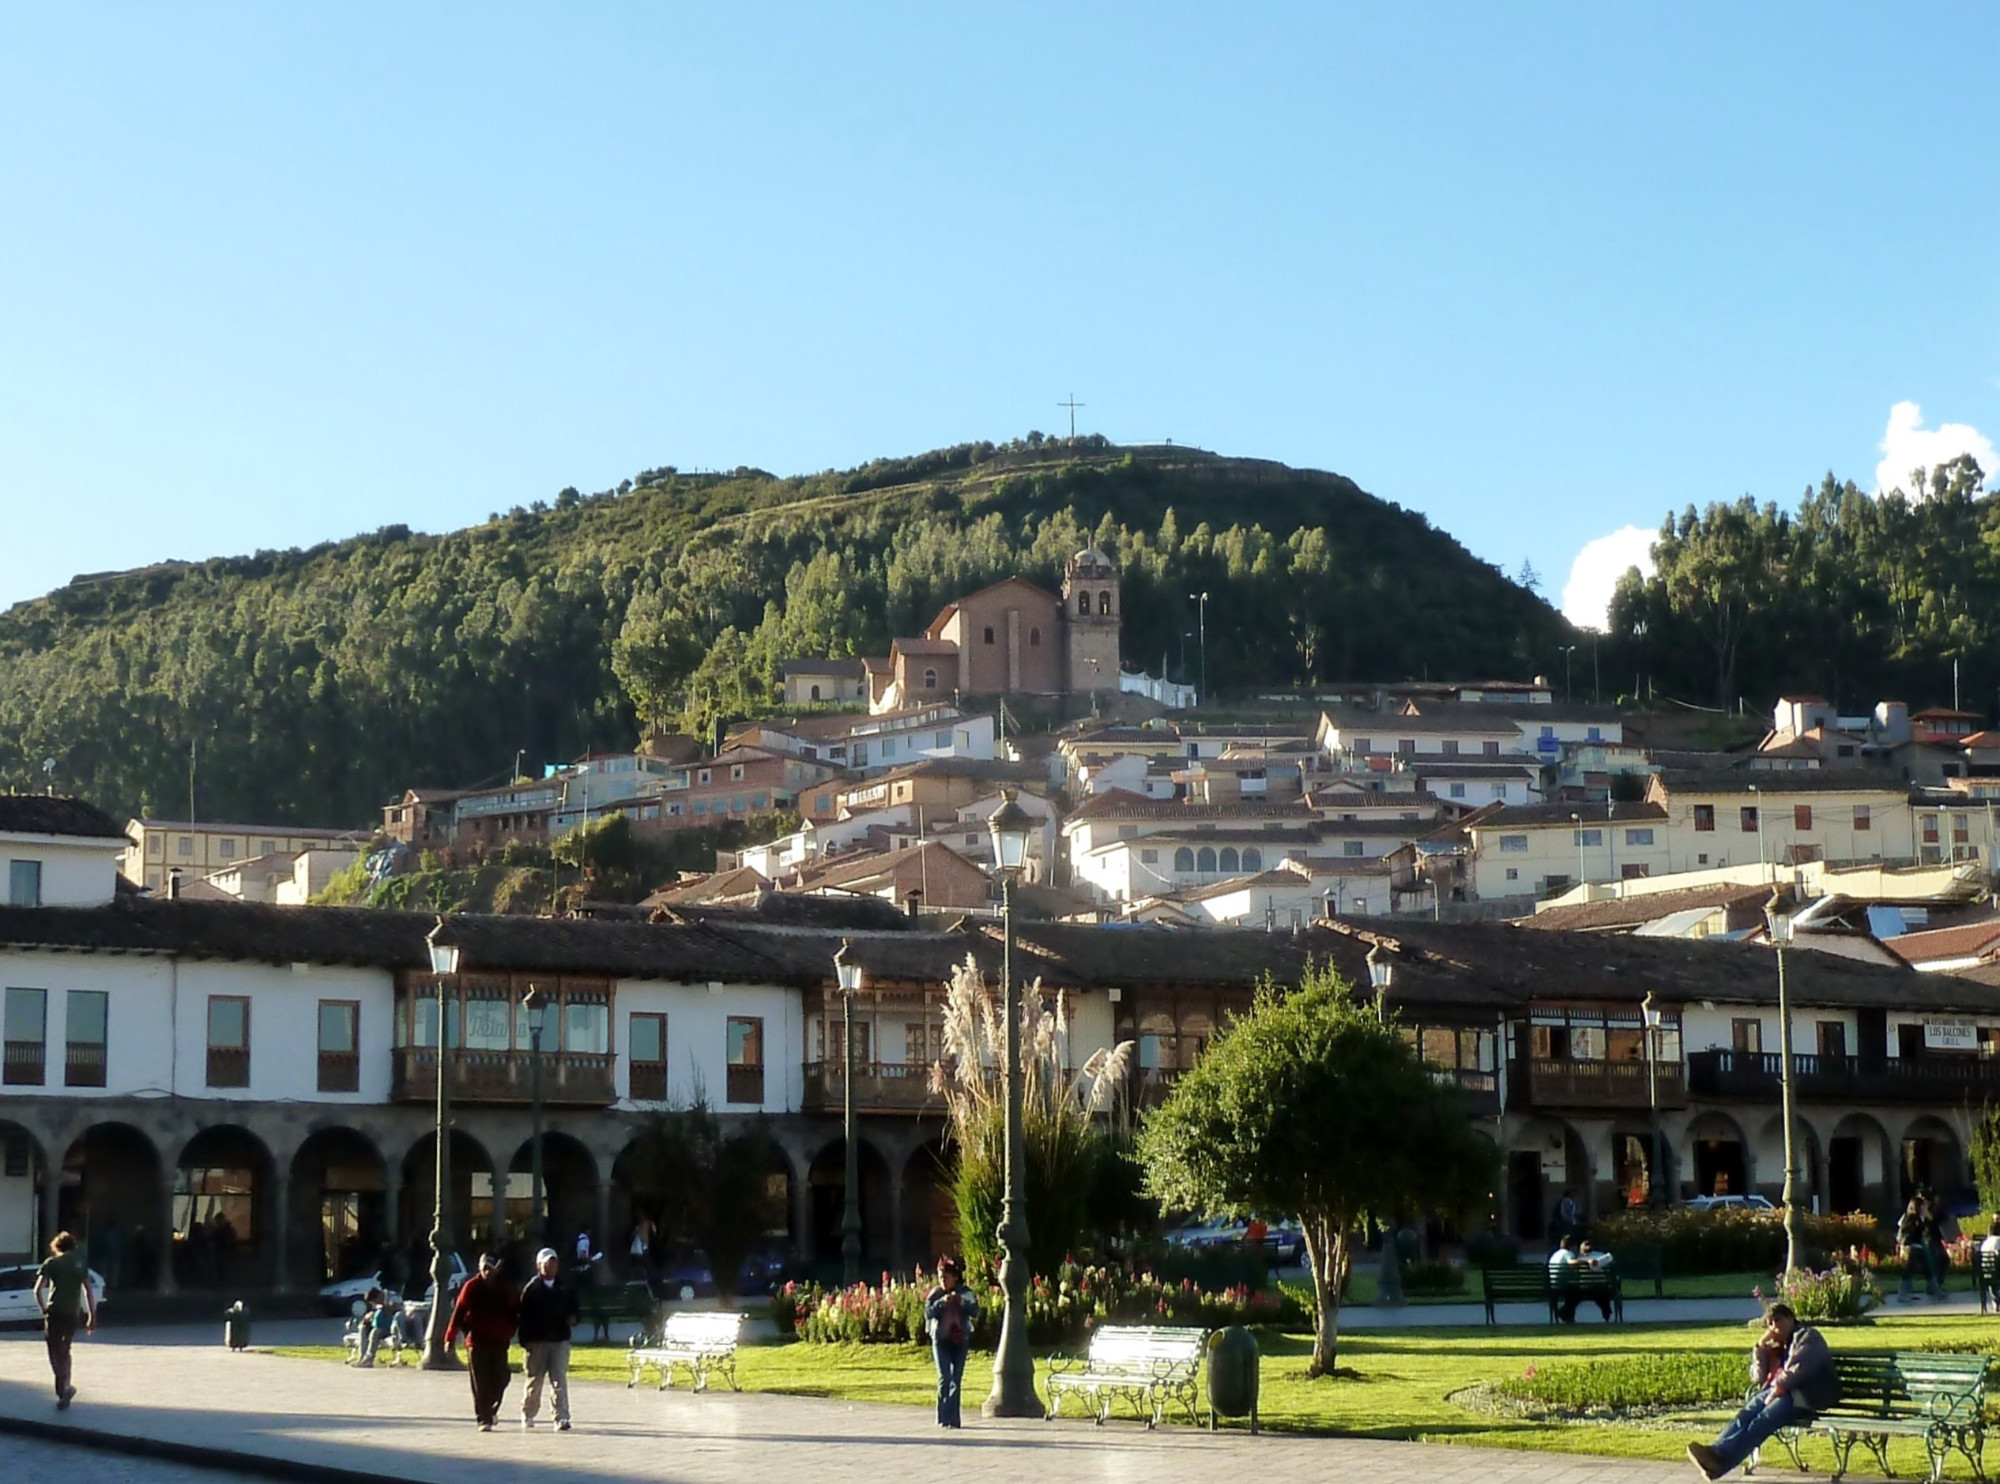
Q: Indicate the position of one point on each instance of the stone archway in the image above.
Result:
(1932, 1159)
(27, 1194)
(1546, 1161)
(1861, 1167)
(569, 1196)
(468, 1214)
(1719, 1155)
(112, 1195)
(826, 1185)
(929, 1226)
(226, 1227)
(338, 1221)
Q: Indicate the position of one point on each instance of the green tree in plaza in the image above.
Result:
(1310, 1105)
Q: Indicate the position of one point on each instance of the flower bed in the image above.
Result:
(1629, 1383)
(1062, 1310)
(1835, 1294)
(1732, 1240)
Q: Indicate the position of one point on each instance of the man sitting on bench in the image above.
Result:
(1794, 1377)
(1587, 1259)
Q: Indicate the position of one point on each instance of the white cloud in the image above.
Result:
(1907, 444)
(1593, 576)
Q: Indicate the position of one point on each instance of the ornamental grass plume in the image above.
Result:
(1062, 1108)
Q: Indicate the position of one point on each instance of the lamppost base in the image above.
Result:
(995, 1406)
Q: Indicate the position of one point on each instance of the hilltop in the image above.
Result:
(312, 684)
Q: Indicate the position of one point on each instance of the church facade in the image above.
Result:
(1012, 638)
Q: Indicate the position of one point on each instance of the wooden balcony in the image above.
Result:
(1537, 1082)
(339, 1071)
(879, 1087)
(1954, 1080)
(570, 1079)
(229, 1066)
(25, 1063)
(83, 1065)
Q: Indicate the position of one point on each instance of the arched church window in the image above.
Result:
(1104, 602)
(1083, 604)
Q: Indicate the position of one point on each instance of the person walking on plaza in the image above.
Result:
(1913, 1242)
(62, 1290)
(485, 1314)
(1794, 1378)
(949, 1310)
(548, 1313)
(1934, 1248)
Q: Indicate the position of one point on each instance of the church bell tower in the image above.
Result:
(1092, 613)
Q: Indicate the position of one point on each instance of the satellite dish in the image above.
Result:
(48, 765)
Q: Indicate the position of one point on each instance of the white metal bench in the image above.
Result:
(701, 1343)
(1149, 1367)
(399, 1338)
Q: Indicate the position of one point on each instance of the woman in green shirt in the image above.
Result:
(62, 1291)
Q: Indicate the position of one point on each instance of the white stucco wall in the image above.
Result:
(75, 873)
(698, 1044)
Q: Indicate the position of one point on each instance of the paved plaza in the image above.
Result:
(183, 1388)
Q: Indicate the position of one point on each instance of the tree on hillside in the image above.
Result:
(1312, 1106)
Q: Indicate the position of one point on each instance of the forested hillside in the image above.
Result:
(310, 686)
(1856, 598)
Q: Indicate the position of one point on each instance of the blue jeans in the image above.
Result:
(951, 1380)
(1751, 1427)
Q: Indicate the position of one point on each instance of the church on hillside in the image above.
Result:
(1012, 638)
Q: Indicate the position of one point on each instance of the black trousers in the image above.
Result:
(60, 1330)
(487, 1365)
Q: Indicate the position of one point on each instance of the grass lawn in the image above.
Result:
(1400, 1386)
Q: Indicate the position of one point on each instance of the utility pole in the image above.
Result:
(1072, 404)
(1202, 625)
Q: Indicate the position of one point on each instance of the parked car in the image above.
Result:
(1284, 1242)
(1753, 1202)
(347, 1294)
(17, 1293)
(688, 1275)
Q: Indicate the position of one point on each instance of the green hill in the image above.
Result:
(312, 685)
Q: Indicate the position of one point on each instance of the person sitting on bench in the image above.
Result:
(1589, 1259)
(1794, 1376)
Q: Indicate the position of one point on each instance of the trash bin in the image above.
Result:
(1232, 1375)
(236, 1326)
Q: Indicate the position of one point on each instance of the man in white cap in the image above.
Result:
(548, 1312)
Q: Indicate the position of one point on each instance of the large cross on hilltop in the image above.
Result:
(1072, 404)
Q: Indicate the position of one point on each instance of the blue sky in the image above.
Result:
(277, 274)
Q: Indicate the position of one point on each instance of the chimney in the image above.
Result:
(174, 884)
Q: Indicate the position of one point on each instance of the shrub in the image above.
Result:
(1662, 1379)
(1212, 1267)
(1732, 1240)
(1836, 1293)
(1433, 1278)
(1061, 1309)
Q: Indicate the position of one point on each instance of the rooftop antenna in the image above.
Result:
(1072, 404)
(49, 769)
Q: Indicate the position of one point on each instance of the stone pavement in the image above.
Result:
(291, 1417)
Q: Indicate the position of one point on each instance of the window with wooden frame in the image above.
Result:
(646, 1057)
(339, 1046)
(228, 1040)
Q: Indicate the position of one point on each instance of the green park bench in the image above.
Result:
(628, 1303)
(1149, 1367)
(1536, 1284)
(1907, 1393)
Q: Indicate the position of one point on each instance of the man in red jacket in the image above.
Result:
(485, 1314)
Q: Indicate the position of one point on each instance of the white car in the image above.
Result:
(17, 1293)
(1757, 1203)
(347, 1295)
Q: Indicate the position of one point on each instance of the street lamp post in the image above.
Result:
(1389, 1277)
(847, 974)
(437, 1354)
(1013, 1364)
(1582, 873)
(1569, 653)
(537, 1005)
(1778, 913)
(1656, 1181)
(1381, 976)
(1202, 625)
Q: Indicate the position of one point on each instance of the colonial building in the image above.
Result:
(1012, 638)
(231, 1095)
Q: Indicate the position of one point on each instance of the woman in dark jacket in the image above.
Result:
(949, 1311)
(485, 1314)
